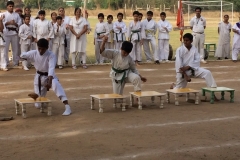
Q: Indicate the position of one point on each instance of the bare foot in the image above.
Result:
(172, 85)
(137, 64)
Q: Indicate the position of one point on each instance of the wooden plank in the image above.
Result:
(218, 89)
(182, 90)
(107, 96)
(30, 100)
(147, 94)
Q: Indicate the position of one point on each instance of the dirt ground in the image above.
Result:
(190, 132)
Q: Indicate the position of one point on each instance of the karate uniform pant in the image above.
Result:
(146, 48)
(99, 57)
(136, 51)
(163, 49)
(67, 50)
(56, 87)
(81, 55)
(58, 50)
(198, 42)
(50, 44)
(131, 78)
(25, 48)
(3, 61)
(118, 45)
(235, 53)
(109, 45)
(200, 73)
(14, 41)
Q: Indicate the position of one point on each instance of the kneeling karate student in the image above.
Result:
(45, 78)
(123, 67)
(187, 65)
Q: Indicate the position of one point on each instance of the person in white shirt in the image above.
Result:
(120, 29)
(140, 16)
(66, 21)
(187, 65)
(45, 78)
(3, 63)
(58, 48)
(54, 21)
(101, 30)
(134, 36)
(198, 25)
(12, 22)
(236, 41)
(224, 30)
(164, 27)
(149, 29)
(26, 38)
(110, 44)
(27, 12)
(123, 67)
(42, 28)
(78, 42)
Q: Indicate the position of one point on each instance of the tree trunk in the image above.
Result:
(39, 7)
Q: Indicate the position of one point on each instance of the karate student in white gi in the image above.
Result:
(45, 78)
(140, 16)
(224, 30)
(12, 22)
(198, 25)
(149, 29)
(110, 43)
(187, 65)
(26, 38)
(60, 32)
(66, 21)
(42, 28)
(123, 67)
(164, 27)
(236, 41)
(134, 36)
(3, 62)
(120, 29)
(101, 30)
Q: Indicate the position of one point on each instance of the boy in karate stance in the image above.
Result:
(123, 67)
(164, 27)
(58, 48)
(187, 65)
(26, 37)
(120, 29)
(45, 78)
(134, 36)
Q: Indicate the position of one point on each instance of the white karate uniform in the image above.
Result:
(149, 29)
(78, 45)
(66, 21)
(11, 36)
(24, 32)
(134, 35)
(185, 57)
(163, 40)
(100, 29)
(43, 29)
(46, 64)
(223, 48)
(236, 42)
(198, 25)
(58, 42)
(127, 66)
(3, 63)
(119, 35)
(110, 43)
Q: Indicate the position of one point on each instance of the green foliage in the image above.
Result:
(2, 5)
(78, 3)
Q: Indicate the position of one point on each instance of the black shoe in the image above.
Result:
(66, 62)
(226, 58)
(157, 62)
(219, 59)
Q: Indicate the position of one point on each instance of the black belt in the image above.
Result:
(117, 36)
(199, 32)
(12, 29)
(39, 80)
(2, 38)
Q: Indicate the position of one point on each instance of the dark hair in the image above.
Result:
(189, 36)
(61, 8)
(127, 46)
(109, 16)
(42, 12)
(59, 17)
(100, 15)
(163, 14)
(76, 9)
(119, 14)
(27, 8)
(25, 16)
(135, 12)
(198, 8)
(42, 43)
(53, 13)
(10, 3)
(140, 14)
(150, 12)
(226, 16)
